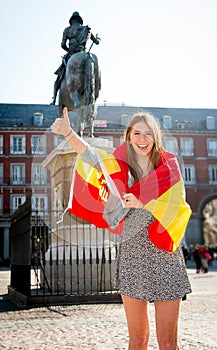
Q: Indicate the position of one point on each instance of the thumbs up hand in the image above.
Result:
(61, 126)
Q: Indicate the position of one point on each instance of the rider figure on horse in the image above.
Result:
(74, 40)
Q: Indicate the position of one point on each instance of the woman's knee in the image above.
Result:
(139, 341)
(168, 342)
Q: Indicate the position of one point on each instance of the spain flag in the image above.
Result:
(162, 192)
(91, 188)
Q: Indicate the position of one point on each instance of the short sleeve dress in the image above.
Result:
(143, 271)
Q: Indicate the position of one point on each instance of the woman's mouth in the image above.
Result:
(142, 147)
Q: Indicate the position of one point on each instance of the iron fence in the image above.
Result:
(69, 261)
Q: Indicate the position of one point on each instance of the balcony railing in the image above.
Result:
(17, 181)
(21, 181)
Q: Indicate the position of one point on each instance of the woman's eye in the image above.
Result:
(149, 134)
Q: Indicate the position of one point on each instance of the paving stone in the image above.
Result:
(103, 326)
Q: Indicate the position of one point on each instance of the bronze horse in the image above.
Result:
(80, 88)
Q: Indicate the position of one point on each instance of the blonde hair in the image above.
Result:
(154, 127)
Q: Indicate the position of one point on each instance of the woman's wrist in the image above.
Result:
(68, 133)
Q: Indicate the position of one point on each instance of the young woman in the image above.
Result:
(147, 268)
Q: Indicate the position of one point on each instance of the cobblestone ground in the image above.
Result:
(103, 327)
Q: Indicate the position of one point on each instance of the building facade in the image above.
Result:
(24, 143)
(26, 140)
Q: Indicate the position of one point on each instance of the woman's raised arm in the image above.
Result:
(61, 126)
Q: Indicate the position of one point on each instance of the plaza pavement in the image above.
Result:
(103, 326)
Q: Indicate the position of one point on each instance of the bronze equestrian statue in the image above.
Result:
(78, 77)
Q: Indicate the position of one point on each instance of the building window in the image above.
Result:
(16, 201)
(38, 119)
(121, 140)
(212, 174)
(167, 122)
(39, 204)
(188, 173)
(1, 144)
(180, 125)
(187, 146)
(38, 175)
(212, 147)
(58, 139)
(210, 123)
(38, 145)
(125, 119)
(171, 145)
(1, 173)
(100, 123)
(17, 172)
(18, 144)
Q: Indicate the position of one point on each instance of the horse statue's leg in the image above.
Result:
(90, 117)
(89, 93)
(84, 113)
(80, 114)
(78, 108)
(91, 127)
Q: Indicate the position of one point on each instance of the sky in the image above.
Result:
(152, 53)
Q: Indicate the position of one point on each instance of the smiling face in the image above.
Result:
(143, 143)
(141, 139)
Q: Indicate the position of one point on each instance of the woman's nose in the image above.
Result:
(143, 137)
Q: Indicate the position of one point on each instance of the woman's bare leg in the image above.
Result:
(138, 322)
(167, 317)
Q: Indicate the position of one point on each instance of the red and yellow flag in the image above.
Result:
(90, 191)
(162, 193)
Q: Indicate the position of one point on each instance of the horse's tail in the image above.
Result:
(89, 81)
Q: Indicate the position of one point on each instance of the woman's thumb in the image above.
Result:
(65, 113)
